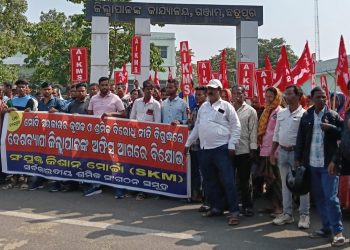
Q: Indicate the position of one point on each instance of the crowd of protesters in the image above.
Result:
(239, 150)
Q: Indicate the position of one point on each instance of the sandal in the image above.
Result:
(8, 186)
(212, 213)
(140, 196)
(232, 220)
(338, 241)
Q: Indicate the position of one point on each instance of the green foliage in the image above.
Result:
(50, 42)
(8, 72)
(272, 48)
(12, 25)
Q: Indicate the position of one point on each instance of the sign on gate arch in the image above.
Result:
(184, 14)
(247, 19)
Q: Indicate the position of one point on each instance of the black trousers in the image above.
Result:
(243, 164)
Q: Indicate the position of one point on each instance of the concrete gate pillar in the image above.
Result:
(99, 48)
(247, 42)
(143, 29)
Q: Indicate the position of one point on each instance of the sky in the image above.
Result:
(290, 19)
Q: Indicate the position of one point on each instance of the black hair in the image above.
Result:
(147, 83)
(163, 89)
(176, 82)
(239, 87)
(103, 78)
(348, 85)
(74, 86)
(273, 90)
(93, 84)
(21, 82)
(297, 90)
(80, 85)
(316, 89)
(46, 85)
(201, 88)
(7, 85)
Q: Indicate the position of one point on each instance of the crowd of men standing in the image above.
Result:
(238, 151)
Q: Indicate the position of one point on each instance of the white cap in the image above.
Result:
(214, 83)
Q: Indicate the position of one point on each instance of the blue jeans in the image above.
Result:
(285, 164)
(325, 191)
(217, 171)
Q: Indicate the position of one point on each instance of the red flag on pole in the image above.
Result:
(150, 77)
(121, 77)
(136, 55)
(156, 79)
(342, 70)
(303, 67)
(215, 75)
(313, 72)
(204, 72)
(281, 76)
(324, 86)
(223, 70)
(170, 74)
(79, 64)
(267, 62)
(263, 81)
(246, 75)
(186, 69)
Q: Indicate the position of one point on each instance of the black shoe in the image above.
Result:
(56, 187)
(213, 213)
(203, 209)
(35, 185)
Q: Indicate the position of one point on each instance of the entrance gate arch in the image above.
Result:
(247, 19)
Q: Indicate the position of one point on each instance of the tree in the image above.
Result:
(120, 35)
(272, 48)
(51, 39)
(12, 37)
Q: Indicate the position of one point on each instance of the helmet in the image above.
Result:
(298, 180)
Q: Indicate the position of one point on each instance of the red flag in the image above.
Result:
(263, 81)
(324, 86)
(204, 72)
(156, 79)
(170, 74)
(136, 55)
(246, 73)
(79, 64)
(150, 77)
(186, 69)
(313, 73)
(268, 65)
(281, 76)
(126, 80)
(342, 70)
(223, 70)
(303, 67)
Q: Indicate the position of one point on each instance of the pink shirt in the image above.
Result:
(109, 103)
(266, 146)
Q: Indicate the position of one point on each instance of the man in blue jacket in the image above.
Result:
(319, 131)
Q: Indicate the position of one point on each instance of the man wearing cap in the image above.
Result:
(218, 129)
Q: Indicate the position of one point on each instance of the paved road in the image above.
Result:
(43, 220)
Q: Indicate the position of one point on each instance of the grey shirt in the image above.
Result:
(79, 107)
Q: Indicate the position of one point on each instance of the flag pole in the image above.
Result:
(335, 92)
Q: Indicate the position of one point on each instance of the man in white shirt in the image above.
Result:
(284, 138)
(146, 108)
(218, 129)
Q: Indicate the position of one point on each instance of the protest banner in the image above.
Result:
(204, 72)
(246, 75)
(136, 55)
(186, 69)
(79, 64)
(128, 154)
(263, 81)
